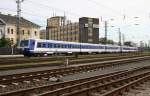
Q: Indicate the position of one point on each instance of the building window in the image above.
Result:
(8, 30)
(11, 31)
(28, 32)
(35, 33)
(23, 32)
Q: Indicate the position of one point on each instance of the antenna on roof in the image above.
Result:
(53, 14)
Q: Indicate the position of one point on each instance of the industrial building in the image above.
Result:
(85, 31)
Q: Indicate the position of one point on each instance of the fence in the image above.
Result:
(10, 51)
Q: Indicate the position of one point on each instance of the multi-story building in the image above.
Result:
(43, 34)
(8, 28)
(89, 30)
(85, 31)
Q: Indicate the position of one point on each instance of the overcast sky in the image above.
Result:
(124, 13)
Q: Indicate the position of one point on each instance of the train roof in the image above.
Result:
(43, 40)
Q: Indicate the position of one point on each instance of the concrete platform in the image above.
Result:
(9, 56)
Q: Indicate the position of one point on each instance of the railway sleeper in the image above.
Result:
(116, 82)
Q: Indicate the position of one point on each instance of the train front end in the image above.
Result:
(27, 47)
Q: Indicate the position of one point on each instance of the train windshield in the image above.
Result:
(24, 43)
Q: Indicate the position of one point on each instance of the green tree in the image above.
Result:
(103, 41)
(5, 43)
(128, 43)
(110, 42)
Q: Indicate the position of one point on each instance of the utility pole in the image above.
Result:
(120, 40)
(105, 35)
(18, 18)
(64, 23)
(123, 39)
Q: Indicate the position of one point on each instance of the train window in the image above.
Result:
(24, 43)
(62, 46)
(39, 45)
(92, 47)
(96, 47)
(50, 45)
(69, 46)
(73, 46)
(65, 46)
(43, 45)
(82, 46)
(77, 47)
(58, 45)
(100, 47)
(55, 45)
(85, 46)
(89, 47)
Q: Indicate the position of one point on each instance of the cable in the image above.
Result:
(56, 9)
(29, 14)
(102, 5)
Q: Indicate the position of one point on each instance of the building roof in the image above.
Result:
(9, 19)
(2, 22)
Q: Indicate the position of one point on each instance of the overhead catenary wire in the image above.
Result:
(104, 6)
(26, 13)
(53, 8)
(123, 16)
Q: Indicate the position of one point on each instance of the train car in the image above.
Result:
(35, 47)
(129, 49)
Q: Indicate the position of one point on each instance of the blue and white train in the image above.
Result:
(34, 47)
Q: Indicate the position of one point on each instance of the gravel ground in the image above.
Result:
(25, 70)
(142, 90)
(77, 75)
(105, 71)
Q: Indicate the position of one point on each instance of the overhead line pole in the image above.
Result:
(105, 36)
(120, 44)
(18, 18)
(123, 39)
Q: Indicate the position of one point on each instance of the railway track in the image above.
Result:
(12, 81)
(78, 87)
(11, 61)
(111, 86)
(40, 62)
